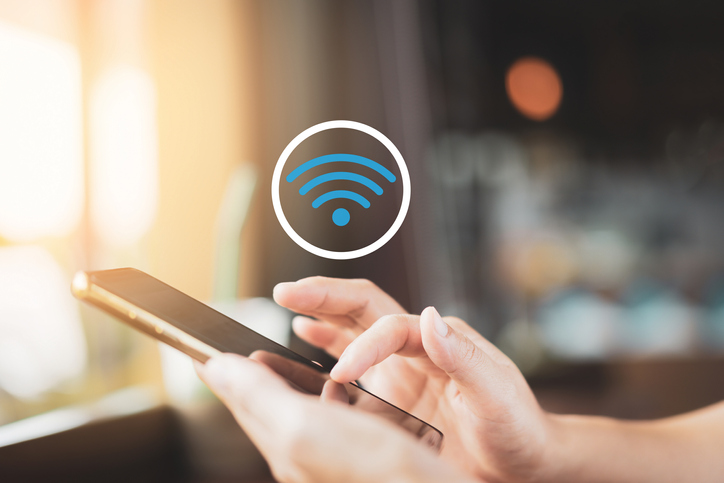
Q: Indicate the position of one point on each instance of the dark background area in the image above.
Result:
(641, 112)
(642, 84)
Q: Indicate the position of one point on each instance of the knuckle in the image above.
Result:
(397, 328)
(238, 394)
(458, 324)
(281, 471)
(255, 374)
(315, 281)
(472, 356)
(454, 321)
(392, 320)
(364, 284)
(297, 439)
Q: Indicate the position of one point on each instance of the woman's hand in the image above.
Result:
(305, 439)
(440, 370)
(445, 373)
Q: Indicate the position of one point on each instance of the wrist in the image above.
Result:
(592, 448)
(540, 456)
(563, 450)
(418, 464)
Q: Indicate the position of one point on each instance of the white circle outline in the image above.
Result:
(360, 252)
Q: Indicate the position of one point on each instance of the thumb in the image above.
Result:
(468, 365)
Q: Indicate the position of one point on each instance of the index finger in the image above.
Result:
(394, 334)
(344, 302)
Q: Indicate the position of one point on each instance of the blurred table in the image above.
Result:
(201, 444)
(631, 389)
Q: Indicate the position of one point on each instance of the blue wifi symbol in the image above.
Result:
(341, 217)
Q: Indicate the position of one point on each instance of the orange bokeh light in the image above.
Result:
(534, 88)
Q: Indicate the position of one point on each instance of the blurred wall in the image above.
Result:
(202, 65)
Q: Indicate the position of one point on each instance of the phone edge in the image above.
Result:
(84, 289)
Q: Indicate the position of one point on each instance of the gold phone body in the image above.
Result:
(84, 289)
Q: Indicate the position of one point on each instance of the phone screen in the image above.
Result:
(227, 335)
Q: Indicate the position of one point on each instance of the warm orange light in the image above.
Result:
(534, 88)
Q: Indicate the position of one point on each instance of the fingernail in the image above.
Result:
(282, 286)
(216, 375)
(342, 356)
(334, 372)
(337, 367)
(440, 326)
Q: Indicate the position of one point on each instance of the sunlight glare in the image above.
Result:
(41, 144)
(124, 155)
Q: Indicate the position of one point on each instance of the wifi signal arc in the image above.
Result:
(335, 158)
(334, 195)
(377, 189)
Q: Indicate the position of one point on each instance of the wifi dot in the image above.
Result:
(340, 217)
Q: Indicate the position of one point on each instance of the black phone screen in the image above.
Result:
(227, 335)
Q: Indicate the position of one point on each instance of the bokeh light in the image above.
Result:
(42, 344)
(124, 155)
(41, 143)
(534, 87)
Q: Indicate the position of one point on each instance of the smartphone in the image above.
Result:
(194, 328)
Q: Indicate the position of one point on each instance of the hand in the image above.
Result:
(306, 439)
(441, 371)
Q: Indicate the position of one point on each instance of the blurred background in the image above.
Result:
(567, 165)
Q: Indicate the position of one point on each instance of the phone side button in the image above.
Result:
(170, 337)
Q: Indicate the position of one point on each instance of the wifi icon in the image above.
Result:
(341, 216)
